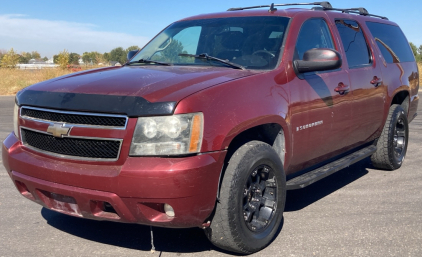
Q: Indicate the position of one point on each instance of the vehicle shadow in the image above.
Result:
(131, 236)
(299, 199)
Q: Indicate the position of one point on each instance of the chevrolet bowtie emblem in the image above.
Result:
(58, 130)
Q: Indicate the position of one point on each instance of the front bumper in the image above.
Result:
(134, 192)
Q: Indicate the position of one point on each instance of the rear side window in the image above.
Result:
(392, 42)
(354, 43)
(313, 34)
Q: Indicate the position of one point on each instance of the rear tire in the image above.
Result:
(392, 144)
(252, 199)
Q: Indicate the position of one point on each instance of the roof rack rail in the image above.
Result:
(359, 10)
(325, 6)
(272, 6)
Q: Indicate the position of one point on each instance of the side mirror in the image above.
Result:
(131, 54)
(318, 59)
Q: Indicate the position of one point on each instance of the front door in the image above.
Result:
(320, 103)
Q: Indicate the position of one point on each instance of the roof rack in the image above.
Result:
(272, 6)
(325, 6)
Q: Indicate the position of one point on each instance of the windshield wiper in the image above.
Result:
(149, 61)
(208, 57)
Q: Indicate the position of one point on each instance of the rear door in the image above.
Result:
(368, 90)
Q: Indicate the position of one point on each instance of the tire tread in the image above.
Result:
(383, 157)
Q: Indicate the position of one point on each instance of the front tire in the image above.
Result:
(392, 144)
(252, 199)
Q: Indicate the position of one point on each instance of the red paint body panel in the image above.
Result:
(407, 76)
(235, 106)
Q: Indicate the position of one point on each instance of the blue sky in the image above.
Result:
(78, 26)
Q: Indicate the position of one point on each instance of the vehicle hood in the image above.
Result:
(153, 83)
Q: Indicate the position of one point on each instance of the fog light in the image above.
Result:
(169, 210)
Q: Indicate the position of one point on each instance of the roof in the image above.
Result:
(243, 13)
(355, 13)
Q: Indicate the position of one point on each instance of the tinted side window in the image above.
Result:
(392, 42)
(354, 43)
(313, 34)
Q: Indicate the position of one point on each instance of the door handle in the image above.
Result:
(376, 81)
(342, 89)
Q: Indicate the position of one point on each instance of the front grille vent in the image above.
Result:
(77, 147)
(74, 118)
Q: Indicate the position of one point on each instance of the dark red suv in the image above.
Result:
(213, 120)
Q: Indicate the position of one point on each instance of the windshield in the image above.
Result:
(252, 42)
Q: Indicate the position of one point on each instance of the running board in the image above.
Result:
(328, 169)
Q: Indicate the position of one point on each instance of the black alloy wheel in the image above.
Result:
(260, 198)
(400, 140)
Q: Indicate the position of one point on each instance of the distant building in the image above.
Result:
(36, 66)
(40, 61)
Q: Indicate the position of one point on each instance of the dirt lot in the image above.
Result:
(358, 211)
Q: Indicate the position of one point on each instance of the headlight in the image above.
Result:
(16, 120)
(168, 135)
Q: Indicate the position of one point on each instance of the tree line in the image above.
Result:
(63, 59)
(11, 58)
(417, 52)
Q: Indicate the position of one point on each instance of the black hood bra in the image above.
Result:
(132, 106)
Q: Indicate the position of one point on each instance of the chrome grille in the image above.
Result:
(72, 146)
(77, 118)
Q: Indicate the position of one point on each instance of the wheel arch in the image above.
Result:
(402, 97)
(273, 133)
(265, 129)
